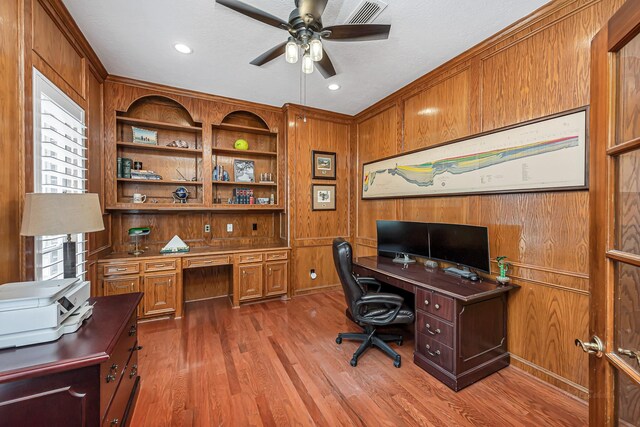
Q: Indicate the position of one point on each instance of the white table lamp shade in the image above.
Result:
(48, 214)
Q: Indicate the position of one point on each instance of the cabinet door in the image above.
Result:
(276, 278)
(123, 285)
(160, 293)
(250, 280)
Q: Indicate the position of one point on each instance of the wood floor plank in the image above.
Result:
(277, 364)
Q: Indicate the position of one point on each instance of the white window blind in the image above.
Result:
(59, 167)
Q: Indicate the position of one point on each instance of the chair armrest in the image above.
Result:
(369, 282)
(380, 298)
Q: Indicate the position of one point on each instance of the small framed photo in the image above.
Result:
(324, 165)
(144, 136)
(244, 171)
(323, 197)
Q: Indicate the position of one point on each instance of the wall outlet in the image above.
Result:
(207, 228)
(229, 228)
(255, 227)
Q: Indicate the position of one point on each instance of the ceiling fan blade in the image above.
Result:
(325, 66)
(254, 13)
(269, 55)
(357, 32)
(314, 8)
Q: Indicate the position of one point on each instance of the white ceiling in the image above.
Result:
(135, 38)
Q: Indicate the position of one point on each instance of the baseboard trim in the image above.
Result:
(552, 378)
(327, 288)
(206, 298)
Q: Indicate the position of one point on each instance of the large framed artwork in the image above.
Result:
(546, 154)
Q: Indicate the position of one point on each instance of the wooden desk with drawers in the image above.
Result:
(461, 326)
(258, 273)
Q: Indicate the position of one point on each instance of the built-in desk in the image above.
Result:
(461, 326)
(258, 272)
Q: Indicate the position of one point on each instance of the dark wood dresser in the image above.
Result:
(87, 378)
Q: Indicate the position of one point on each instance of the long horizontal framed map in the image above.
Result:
(546, 154)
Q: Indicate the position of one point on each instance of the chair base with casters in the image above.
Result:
(369, 338)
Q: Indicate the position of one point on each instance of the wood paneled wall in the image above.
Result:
(535, 68)
(11, 116)
(41, 34)
(312, 232)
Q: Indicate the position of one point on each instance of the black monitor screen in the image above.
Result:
(404, 237)
(466, 245)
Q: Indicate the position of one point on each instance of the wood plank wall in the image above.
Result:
(312, 232)
(535, 68)
(41, 34)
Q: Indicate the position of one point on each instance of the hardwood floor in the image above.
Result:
(277, 364)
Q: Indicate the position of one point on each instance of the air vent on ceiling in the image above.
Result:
(366, 12)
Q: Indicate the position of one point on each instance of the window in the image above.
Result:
(59, 167)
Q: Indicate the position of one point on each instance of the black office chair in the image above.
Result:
(367, 308)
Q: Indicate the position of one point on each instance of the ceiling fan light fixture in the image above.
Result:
(307, 64)
(315, 49)
(291, 51)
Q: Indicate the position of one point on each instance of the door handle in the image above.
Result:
(595, 346)
(632, 354)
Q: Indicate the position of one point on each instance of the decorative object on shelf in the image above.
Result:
(504, 267)
(324, 165)
(220, 174)
(545, 154)
(135, 234)
(243, 170)
(272, 199)
(144, 136)
(180, 195)
(241, 144)
(305, 32)
(178, 143)
(126, 167)
(139, 198)
(51, 214)
(263, 200)
(175, 245)
(266, 178)
(119, 167)
(323, 197)
(137, 166)
(242, 196)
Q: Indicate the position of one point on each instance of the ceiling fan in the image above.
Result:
(306, 32)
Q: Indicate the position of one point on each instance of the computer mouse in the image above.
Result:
(474, 278)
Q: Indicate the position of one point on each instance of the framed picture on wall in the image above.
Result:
(323, 197)
(324, 165)
(244, 170)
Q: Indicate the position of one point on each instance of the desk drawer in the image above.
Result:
(117, 413)
(436, 352)
(121, 268)
(249, 258)
(160, 265)
(205, 261)
(272, 256)
(436, 304)
(436, 329)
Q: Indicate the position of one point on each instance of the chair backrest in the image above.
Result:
(342, 260)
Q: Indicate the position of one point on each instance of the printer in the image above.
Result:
(36, 312)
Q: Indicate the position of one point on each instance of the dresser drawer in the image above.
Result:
(118, 412)
(205, 261)
(113, 369)
(436, 304)
(436, 352)
(436, 329)
(160, 265)
(121, 268)
(272, 256)
(249, 258)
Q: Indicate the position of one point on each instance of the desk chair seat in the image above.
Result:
(369, 308)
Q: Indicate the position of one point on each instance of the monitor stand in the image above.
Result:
(403, 259)
(462, 272)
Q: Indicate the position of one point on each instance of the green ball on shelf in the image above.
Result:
(241, 144)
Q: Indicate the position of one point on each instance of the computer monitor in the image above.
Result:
(403, 237)
(466, 245)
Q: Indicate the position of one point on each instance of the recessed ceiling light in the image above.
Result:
(334, 86)
(182, 48)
